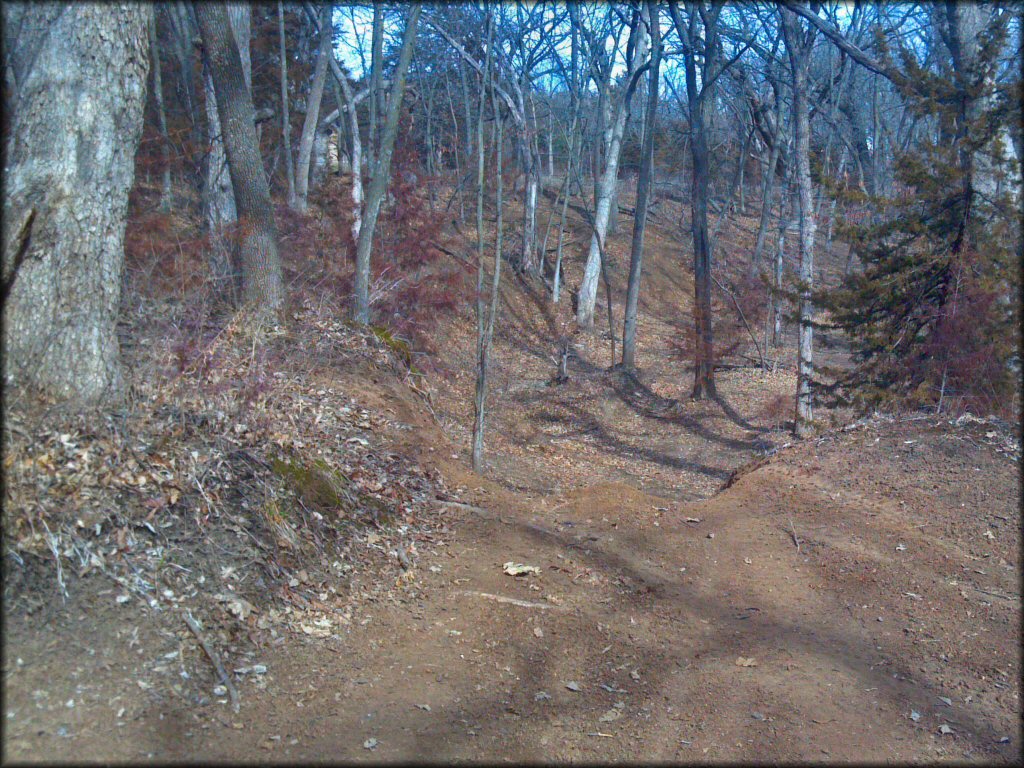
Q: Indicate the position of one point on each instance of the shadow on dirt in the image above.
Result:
(650, 597)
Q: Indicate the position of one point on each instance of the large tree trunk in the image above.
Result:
(798, 46)
(643, 194)
(381, 173)
(258, 259)
(70, 159)
(309, 125)
(221, 211)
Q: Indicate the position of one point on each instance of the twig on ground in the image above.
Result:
(225, 680)
(792, 532)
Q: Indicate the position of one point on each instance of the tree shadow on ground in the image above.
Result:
(586, 423)
(647, 403)
(651, 595)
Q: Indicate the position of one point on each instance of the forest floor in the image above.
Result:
(707, 588)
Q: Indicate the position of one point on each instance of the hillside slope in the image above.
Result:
(854, 596)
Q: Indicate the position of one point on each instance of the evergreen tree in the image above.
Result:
(932, 316)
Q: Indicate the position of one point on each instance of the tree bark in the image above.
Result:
(221, 211)
(312, 119)
(161, 115)
(606, 186)
(697, 97)
(258, 259)
(70, 163)
(477, 446)
(798, 47)
(643, 194)
(286, 123)
(376, 97)
(378, 184)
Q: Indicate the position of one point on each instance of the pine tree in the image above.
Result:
(932, 316)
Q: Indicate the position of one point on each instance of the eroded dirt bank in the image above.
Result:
(855, 598)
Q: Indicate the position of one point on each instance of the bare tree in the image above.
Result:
(799, 44)
(643, 191)
(485, 327)
(161, 115)
(312, 118)
(381, 173)
(619, 109)
(700, 26)
(286, 124)
(258, 259)
(81, 73)
(218, 196)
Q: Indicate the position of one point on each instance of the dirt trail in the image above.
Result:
(649, 613)
(844, 601)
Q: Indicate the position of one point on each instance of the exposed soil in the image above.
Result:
(854, 596)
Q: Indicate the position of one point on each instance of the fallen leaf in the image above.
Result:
(370, 743)
(572, 685)
(610, 716)
(538, 632)
(945, 729)
(742, 661)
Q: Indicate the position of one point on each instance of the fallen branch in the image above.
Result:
(509, 600)
(225, 680)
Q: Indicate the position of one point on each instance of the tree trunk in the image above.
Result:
(158, 94)
(767, 190)
(182, 28)
(309, 124)
(704, 361)
(477, 446)
(780, 252)
(643, 194)
(605, 192)
(459, 189)
(570, 170)
(378, 184)
(376, 97)
(531, 262)
(259, 263)
(357, 150)
(798, 46)
(221, 211)
(286, 124)
(70, 163)
(551, 141)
